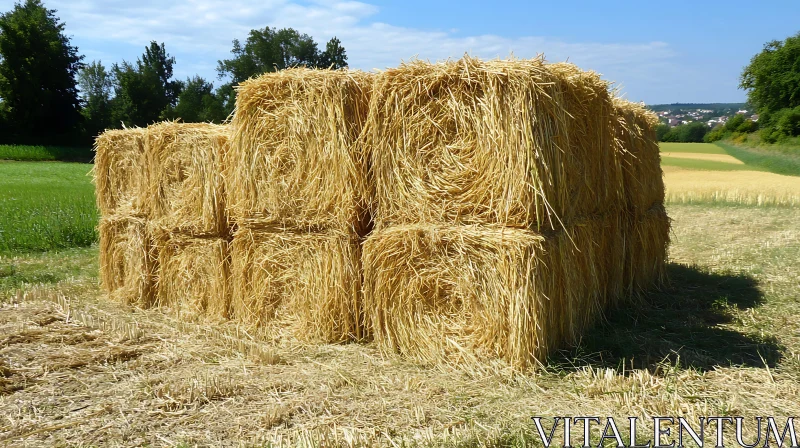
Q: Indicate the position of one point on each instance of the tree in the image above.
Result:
(145, 91)
(661, 131)
(772, 79)
(268, 50)
(96, 89)
(38, 67)
(334, 55)
(271, 49)
(198, 103)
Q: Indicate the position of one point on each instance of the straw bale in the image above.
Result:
(515, 142)
(294, 159)
(306, 283)
(119, 169)
(467, 293)
(127, 262)
(646, 251)
(638, 146)
(192, 276)
(184, 183)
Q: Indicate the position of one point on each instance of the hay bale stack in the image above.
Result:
(296, 188)
(184, 187)
(127, 262)
(502, 208)
(519, 143)
(119, 167)
(193, 276)
(186, 216)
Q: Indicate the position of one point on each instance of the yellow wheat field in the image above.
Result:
(738, 187)
(725, 158)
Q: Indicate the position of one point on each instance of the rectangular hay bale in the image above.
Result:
(184, 182)
(519, 143)
(192, 275)
(119, 169)
(460, 293)
(127, 262)
(306, 283)
(294, 160)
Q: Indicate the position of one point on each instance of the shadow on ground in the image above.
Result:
(682, 324)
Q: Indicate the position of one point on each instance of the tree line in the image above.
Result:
(50, 95)
(772, 82)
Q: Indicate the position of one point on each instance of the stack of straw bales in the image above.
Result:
(164, 231)
(126, 257)
(187, 218)
(452, 212)
(295, 184)
(501, 207)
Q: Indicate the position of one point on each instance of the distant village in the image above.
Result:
(710, 117)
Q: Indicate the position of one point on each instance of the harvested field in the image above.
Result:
(739, 187)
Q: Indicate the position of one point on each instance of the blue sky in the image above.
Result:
(657, 52)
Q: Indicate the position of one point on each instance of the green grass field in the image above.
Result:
(46, 153)
(46, 206)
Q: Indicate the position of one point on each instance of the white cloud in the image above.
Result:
(199, 32)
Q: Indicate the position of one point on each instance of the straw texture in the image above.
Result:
(306, 283)
(519, 143)
(184, 191)
(119, 170)
(641, 160)
(127, 262)
(192, 276)
(294, 160)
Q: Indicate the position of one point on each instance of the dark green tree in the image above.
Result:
(772, 79)
(269, 50)
(661, 131)
(198, 103)
(334, 55)
(38, 69)
(145, 91)
(97, 86)
(734, 122)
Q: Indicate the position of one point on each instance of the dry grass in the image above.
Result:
(184, 182)
(192, 276)
(305, 283)
(519, 143)
(119, 170)
(127, 261)
(294, 159)
(731, 187)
